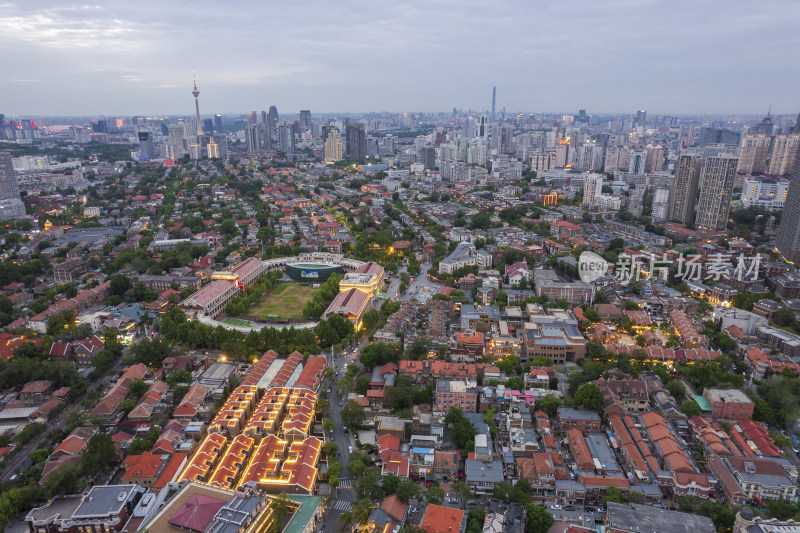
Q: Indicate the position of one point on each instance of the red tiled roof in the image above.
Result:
(440, 519)
(197, 512)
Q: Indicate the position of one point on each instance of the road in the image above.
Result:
(344, 496)
(21, 459)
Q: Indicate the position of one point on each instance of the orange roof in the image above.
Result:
(470, 337)
(144, 466)
(440, 519)
(394, 507)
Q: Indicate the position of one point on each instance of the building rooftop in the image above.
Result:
(649, 519)
(728, 395)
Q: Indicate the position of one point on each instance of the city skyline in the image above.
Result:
(109, 59)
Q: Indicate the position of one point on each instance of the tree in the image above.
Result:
(353, 415)
(614, 495)
(516, 383)
(434, 495)
(690, 408)
(676, 388)
(137, 388)
(784, 317)
(462, 490)
(327, 425)
(280, 508)
(407, 490)
(590, 397)
(119, 284)
(330, 448)
(539, 519)
(98, 452)
(549, 404)
(362, 384)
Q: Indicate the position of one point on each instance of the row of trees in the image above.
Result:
(324, 296)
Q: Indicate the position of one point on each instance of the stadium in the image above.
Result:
(316, 272)
(308, 268)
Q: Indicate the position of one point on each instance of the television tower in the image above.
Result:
(494, 99)
(196, 93)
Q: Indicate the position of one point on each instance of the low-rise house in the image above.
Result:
(482, 476)
(581, 419)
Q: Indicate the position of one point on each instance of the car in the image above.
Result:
(346, 431)
(569, 507)
(555, 506)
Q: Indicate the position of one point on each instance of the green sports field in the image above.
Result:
(237, 322)
(285, 301)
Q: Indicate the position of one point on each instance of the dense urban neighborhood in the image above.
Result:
(458, 322)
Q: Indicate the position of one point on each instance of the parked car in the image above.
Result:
(569, 507)
(555, 506)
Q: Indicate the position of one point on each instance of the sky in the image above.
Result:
(64, 58)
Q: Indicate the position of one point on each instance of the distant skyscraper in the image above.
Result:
(10, 204)
(427, 157)
(482, 127)
(788, 239)
(766, 126)
(716, 178)
(272, 122)
(655, 159)
(146, 149)
(218, 123)
(305, 120)
(356, 142)
(494, 100)
(208, 126)
(286, 138)
(562, 153)
(469, 128)
(684, 188)
(641, 117)
(637, 161)
(175, 145)
(784, 153)
(196, 93)
(333, 144)
(253, 138)
(753, 153)
(592, 188)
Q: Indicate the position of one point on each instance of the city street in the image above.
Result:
(343, 496)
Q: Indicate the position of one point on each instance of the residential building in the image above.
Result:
(581, 419)
(769, 193)
(102, 508)
(482, 476)
(717, 176)
(463, 255)
(753, 153)
(461, 394)
(438, 519)
(729, 404)
(752, 478)
(784, 153)
(684, 188)
(628, 394)
(548, 283)
(635, 518)
(788, 238)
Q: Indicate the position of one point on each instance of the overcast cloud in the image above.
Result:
(118, 57)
